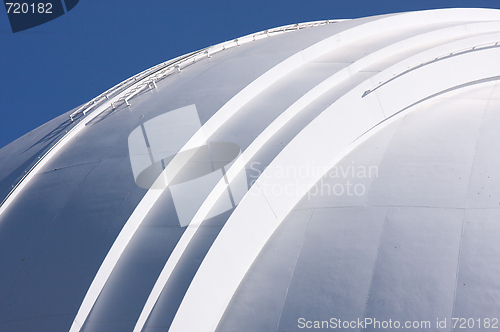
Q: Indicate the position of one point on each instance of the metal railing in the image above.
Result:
(433, 60)
(149, 77)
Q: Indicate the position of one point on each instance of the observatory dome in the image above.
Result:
(304, 177)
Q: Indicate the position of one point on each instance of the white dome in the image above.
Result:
(319, 174)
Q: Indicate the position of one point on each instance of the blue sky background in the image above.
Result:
(50, 69)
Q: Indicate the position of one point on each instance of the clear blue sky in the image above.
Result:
(50, 69)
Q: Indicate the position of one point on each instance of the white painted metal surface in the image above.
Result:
(300, 104)
(414, 96)
(332, 135)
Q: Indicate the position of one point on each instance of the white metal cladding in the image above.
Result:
(207, 130)
(380, 70)
(317, 91)
(330, 137)
(198, 138)
(260, 85)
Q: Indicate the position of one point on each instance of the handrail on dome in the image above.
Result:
(425, 63)
(154, 74)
